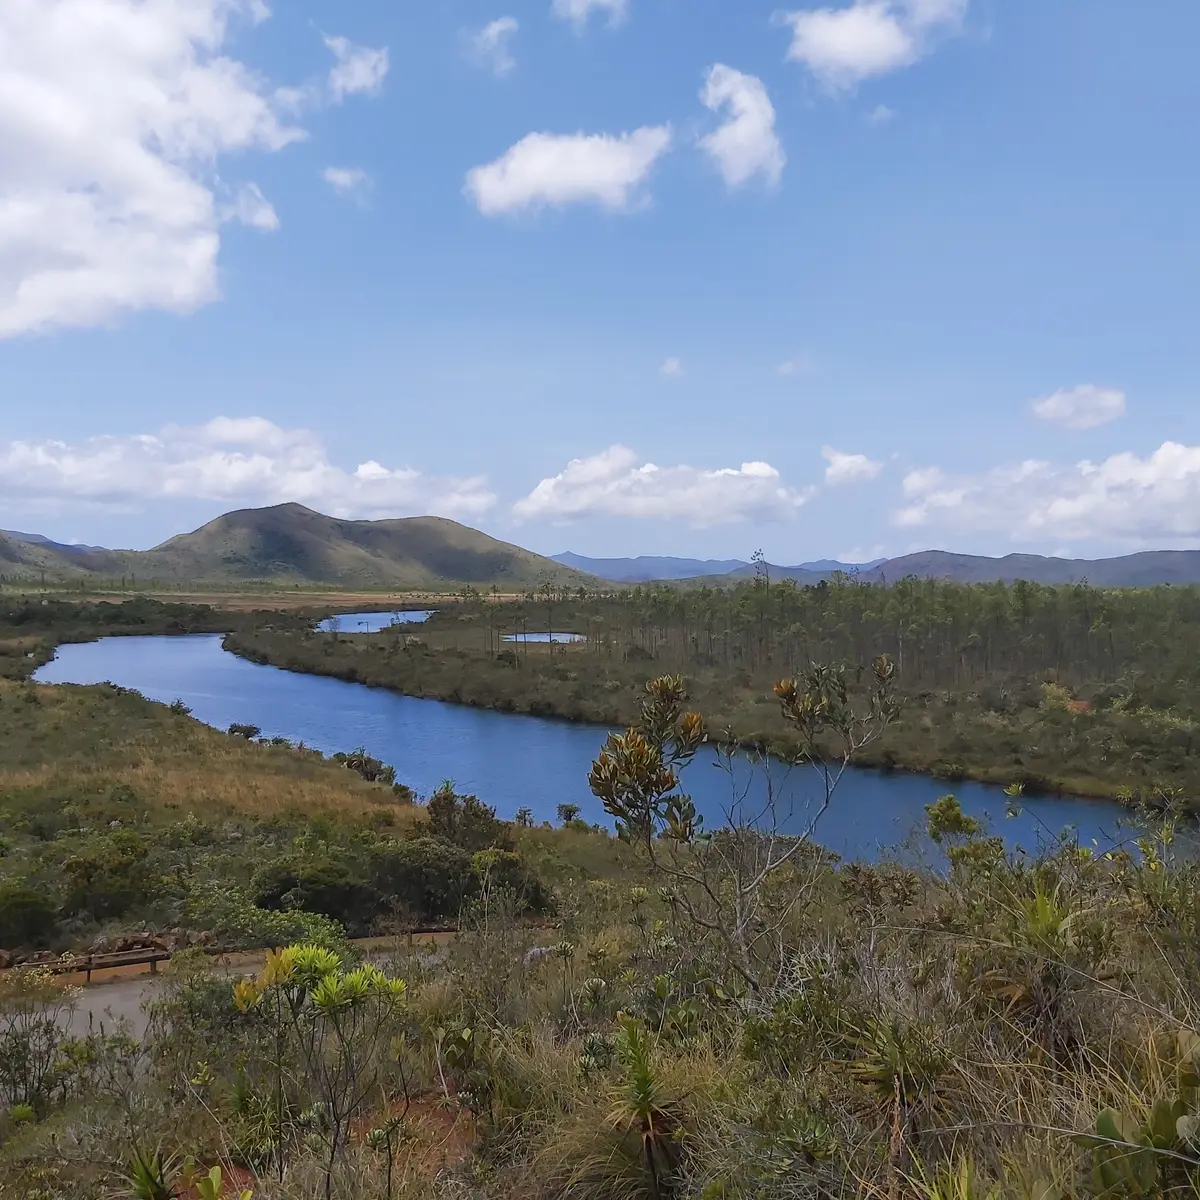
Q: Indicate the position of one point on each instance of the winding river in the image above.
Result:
(515, 761)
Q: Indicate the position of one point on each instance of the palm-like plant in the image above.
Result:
(642, 1107)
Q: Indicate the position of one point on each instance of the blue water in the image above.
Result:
(371, 622)
(556, 638)
(514, 761)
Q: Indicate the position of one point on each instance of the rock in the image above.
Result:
(205, 938)
(6, 959)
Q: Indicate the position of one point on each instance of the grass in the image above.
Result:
(67, 740)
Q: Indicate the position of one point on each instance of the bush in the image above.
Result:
(425, 878)
(466, 821)
(109, 876)
(326, 885)
(27, 918)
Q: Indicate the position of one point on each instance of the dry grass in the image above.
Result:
(101, 737)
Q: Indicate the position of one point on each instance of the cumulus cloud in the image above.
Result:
(746, 144)
(558, 169)
(114, 117)
(346, 181)
(1084, 407)
(614, 483)
(881, 115)
(579, 12)
(246, 460)
(357, 70)
(490, 46)
(672, 368)
(843, 46)
(848, 468)
(1125, 498)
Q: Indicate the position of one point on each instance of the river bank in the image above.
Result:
(1038, 740)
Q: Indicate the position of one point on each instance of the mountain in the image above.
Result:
(1145, 569)
(21, 559)
(665, 568)
(648, 567)
(38, 539)
(291, 543)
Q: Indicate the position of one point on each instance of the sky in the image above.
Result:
(691, 277)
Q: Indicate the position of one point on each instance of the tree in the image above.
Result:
(568, 814)
(723, 883)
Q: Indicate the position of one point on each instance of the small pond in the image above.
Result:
(371, 622)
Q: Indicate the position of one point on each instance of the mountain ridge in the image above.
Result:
(289, 543)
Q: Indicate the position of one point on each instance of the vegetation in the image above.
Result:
(118, 814)
(701, 1013)
(1075, 689)
(289, 543)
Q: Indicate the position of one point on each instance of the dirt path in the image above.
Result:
(120, 994)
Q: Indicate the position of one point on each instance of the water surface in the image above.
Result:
(371, 622)
(516, 762)
(546, 638)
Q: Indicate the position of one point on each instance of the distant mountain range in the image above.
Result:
(1146, 569)
(293, 544)
(648, 567)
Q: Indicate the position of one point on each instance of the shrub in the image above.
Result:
(466, 821)
(326, 885)
(27, 918)
(425, 877)
(109, 876)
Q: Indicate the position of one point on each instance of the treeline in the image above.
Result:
(940, 634)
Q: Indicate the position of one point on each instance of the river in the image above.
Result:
(514, 761)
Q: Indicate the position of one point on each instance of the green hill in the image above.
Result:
(293, 544)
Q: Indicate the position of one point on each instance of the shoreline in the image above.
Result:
(874, 759)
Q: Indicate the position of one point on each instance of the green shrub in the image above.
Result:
(27, 918)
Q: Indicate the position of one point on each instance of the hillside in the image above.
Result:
(291, 543)
(1146, 569)
(27, 560)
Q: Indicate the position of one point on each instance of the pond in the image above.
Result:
(371, 622)
(545, 638)
(513, 761)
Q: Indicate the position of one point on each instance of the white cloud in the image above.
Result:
(346, 181)
(613, 483)
(250, 207)
(671, 367)
(848, 468)
(1125, 498)
(245, 460)
(843, 46)
(579, 12)
(1084, 407)
(881, 115)
(357, 70)
(551, 169)
(112, 118)
(746, 144)
(490, 46)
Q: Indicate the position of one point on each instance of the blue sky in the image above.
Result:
(855, 279)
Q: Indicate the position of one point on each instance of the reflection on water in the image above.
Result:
(513, 761)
